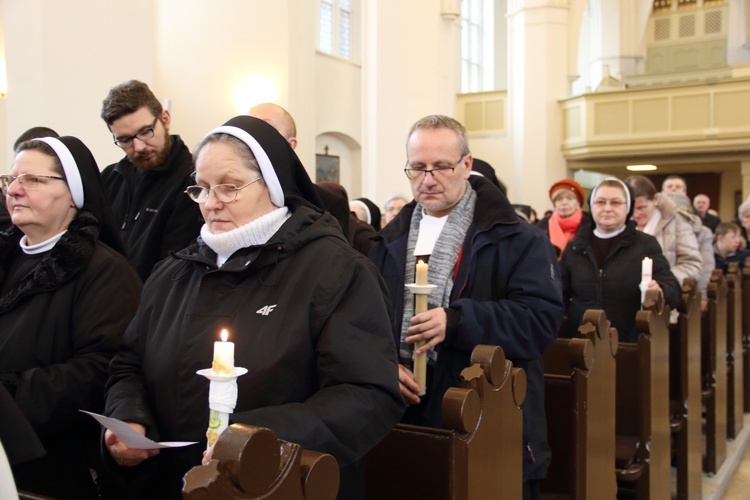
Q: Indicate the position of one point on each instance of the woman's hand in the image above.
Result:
(408, 385)
(124, 456)
(207, 456)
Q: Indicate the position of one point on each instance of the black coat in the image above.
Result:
(59, 327)
(614, 287)
(507, 292)
(154, 213)
(5, 222)
(309, 321)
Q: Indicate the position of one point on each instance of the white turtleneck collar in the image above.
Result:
(255, 232)
(44, 246)
(606, 236)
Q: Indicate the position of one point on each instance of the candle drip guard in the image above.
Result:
(222, 398)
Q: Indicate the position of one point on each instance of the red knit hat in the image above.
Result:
(570, 185)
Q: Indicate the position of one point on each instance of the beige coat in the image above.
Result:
(676, 234)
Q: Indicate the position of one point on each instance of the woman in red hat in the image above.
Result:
(567, 196)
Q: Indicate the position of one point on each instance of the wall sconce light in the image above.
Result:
(450, 9)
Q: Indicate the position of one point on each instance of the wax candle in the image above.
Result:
(647, 269)
(421, 273)
(223, 355)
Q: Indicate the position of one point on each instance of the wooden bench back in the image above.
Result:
(580, 403)
(250, 462)
(714, 373)
(642, 408)
(478, 456)
(735, 397)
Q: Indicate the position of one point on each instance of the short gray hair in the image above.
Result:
(743, 208)
(442, 121)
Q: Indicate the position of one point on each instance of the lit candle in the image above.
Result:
(647, 269)
(223, 355)
(420, 306)
(421, 273)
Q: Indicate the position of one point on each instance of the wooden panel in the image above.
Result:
(611, 118)
(650, 115)
(691, 112)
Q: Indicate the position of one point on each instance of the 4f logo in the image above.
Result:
(266, 310)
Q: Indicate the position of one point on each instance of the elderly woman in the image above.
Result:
(301, 305)
(601, 268)
(66, 297)
(658, 216)
(567, 197)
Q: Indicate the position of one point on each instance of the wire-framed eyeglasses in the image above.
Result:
(419, 173)
(143, 135)
(225, 193)
(30, 182)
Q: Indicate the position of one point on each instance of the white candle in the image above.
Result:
(647, 269)
(223, 355)
(421, 273)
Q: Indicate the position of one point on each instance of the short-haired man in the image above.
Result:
(701, 204)
(674, 183)
(498, 281)
(146, 188)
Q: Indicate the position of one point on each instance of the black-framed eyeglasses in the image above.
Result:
(419, 173)
(225, 193)
(30, 182)
(143, 135)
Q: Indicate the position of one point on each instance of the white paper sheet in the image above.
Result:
(130, 437)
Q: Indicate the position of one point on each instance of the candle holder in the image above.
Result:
(420, 360)
(222, 398)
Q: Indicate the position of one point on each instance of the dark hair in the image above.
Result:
(34, 133)
(641, 186)
(43, 147)
(128, 98)
(726, 228)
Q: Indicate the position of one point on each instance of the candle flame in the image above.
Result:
(224, 335)
(420, 262)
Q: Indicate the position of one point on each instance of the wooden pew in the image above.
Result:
(642, 408)
(579, 388)
(250, 462)
(478, 456)
(685, 391)
(735, 396)
(746, 334)
(714, 373)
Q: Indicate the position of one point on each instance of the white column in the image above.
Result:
(538, 40)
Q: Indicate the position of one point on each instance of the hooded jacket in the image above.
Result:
(154, 214)
(507, 292)
(309, 321)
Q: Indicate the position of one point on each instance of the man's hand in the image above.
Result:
(429, 327)
(124, 456)
(408, 385)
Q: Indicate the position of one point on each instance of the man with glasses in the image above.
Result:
(147, 187)
(497, 282)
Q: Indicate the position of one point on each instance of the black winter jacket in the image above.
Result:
(59, 328)
(614, 287)
(309, 321)
(154, 213)
(507, 292)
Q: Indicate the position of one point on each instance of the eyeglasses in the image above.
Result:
(417, 174)
(612, 203)
(143, 135)
(30, 182)
(225, 193)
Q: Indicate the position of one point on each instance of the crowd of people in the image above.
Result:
(115, 284)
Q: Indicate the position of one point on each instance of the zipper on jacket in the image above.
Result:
(531, 453)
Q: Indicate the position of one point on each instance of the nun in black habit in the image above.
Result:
(66, 297)
(305, 311)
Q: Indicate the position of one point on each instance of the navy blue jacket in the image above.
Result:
(507, 292)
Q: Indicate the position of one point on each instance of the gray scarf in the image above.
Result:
(441, 263)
